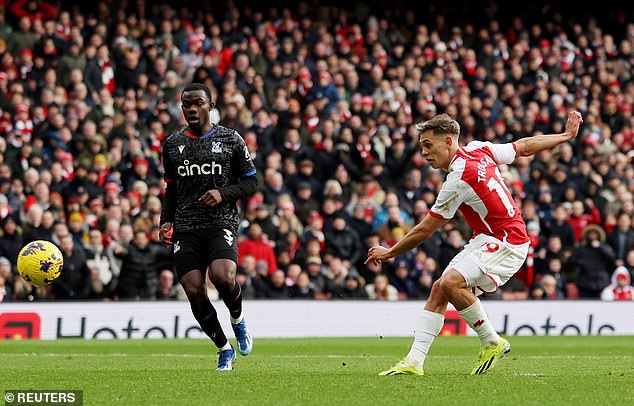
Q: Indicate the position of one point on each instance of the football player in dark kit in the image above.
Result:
(207, 169)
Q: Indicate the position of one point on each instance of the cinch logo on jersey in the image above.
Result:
(210, 168)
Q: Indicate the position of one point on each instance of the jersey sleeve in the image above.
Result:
(449, 198)
(502, 153)
(169, 174)
(242, 163)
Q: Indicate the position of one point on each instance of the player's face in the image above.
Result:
(196, 107)
(436, 149)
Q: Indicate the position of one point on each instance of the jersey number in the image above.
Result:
(494, 184)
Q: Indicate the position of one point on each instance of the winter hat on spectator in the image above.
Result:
(303, 185)
(315, 216)
(134, 194)
(76, 216)
(533, 226)
(140, 161)
(288, 205)
(112, 186)
(313, 260)
(21, 108)
(100, 158)
(594, 228)
(254, 201)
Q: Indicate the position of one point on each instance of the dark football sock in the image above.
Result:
(233, 300)
(207, 317)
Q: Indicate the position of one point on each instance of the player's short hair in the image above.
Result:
(197, 86)
(441, 124)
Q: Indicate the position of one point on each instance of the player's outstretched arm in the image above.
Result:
(412, 239)
(532, 145)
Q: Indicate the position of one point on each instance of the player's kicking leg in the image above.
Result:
(489, 356)
(222, 275)
(427, 328)
(492, 346)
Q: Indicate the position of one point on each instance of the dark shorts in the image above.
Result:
(197, 249)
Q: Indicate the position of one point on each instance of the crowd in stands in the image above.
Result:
(326, 98)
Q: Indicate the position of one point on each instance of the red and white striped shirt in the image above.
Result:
(474, 185)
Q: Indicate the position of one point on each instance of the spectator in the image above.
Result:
(381, 289)
(318, 280)
(352, 289)
(302, 289)
(562, 228)
(401, 280)
(99, 265)
(537, 291)
(305, 204)
(277, 288)
(6, 281)
(549, 285)
(621, 239)
(619, 287)
(342, 241)
(167, 290)
(450, 247)
(395, 225)
(594, 260)
(582, 217)
(256, 246)
(72, 284)
(141, 259)
(11, 241)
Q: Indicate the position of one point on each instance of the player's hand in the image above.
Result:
(210, 198)
(165, 234)
(377, 254)
(573, 123)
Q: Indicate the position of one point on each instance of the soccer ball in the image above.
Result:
(40, 262)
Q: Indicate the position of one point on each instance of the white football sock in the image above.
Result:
(238, 320)
(226, 347)
(427, 328)
(477, 319)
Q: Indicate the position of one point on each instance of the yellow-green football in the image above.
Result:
(40, 262)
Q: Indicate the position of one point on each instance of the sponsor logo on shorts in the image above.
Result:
(490, 247)
(228, 237)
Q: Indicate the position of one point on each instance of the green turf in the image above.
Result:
(539, 370)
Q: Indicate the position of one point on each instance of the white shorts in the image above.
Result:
(487, 263)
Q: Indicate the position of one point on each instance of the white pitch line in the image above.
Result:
(291, 356)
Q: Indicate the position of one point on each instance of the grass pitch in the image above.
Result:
(539, 370)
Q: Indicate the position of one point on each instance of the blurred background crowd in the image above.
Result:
(326, 97)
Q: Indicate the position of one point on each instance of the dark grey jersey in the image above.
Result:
(197, 164)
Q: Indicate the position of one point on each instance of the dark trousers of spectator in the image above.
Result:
(136, 289)
(589, 294)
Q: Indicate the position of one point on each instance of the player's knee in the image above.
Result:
(222, 273)
(195, 293)
(437, 297)
(450, 281)
(436, 289)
